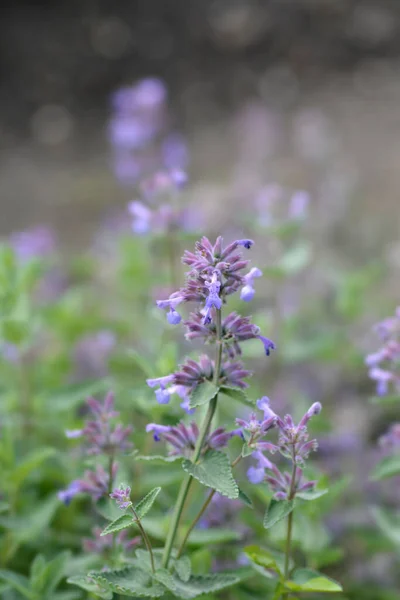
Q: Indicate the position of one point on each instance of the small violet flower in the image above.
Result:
(122, 496)
(248, 291)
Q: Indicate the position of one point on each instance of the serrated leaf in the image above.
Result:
(306, 580)
(311, 495)
(129, 582)
(387, 467)
(183, 568)
(143, 507)
(18, 582)
(89, 585)
(276, 511)
(262, 557)
(236, 394)
(214, 470)
(203, 393)
(123, 522)
(244, 498)
(204, 584)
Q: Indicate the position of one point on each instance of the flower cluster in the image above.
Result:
(295, 445)
(122, 496)
(183, 438)
(100, 437)
(99, 434)
(384, 364)
(192, 373)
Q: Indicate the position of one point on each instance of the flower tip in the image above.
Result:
(315, 409)
(246, 243)
(173, 317)
(247, 293)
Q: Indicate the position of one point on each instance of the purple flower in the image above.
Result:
(38, 242)
(213, 299)
(182, 438)
(255, 475)
(122, 496)
(248, 291)
(102, 544)
(267, 343)
(298, 205)
(384, 363)
(70, 492)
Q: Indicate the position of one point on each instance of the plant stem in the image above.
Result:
(202, 511)
(145, 539)
(292, 493)
(187, 482)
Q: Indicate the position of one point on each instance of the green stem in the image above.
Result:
(292, 493)
(201, 512)
(187, 482)
(145, 539)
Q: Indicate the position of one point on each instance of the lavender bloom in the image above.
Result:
(99, 435)
(384, 364)
(70, 492)
(183, 438)
(391, 440)
(214, 274)
(122, 496)
(95, 483)
(248, 291)
(103, 544)
(38, 242)
(293, 444)
(235, 329)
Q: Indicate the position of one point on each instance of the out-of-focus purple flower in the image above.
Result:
(255, 475)
(70, 492)
(248, 291)
(122, 496)
(391, 440)
(92, 353)
(100, 436)
(298, 205)
(222, 511)
(175, 152)
(384, 363)
(103, 544)
(38, 242)
(182, 438)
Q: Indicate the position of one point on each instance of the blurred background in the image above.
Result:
(303, 92)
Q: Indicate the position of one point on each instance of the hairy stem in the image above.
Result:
(187, 482)
(145, 537)
(292, 493)
(201, 512)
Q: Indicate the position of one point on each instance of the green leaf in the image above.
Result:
(276, 511)
(157, 458)
(30, 463)
(244, 498)
(296, 259)
(262, 557)
(53, 572)
(4, 506)
(203, 393)
(312, 494)
(387, 467)
(18, 582)
(123, 522)
(14, 331)
(67, 398)
(89, 585)
(183, 568)
(307, 580)
(247, 450)
(202, 584)
(129, 582)
(215, 535)
(386, 400)
(389, 523)
(143, 507)
(236, 394)
(214, 470)
(33, 524)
